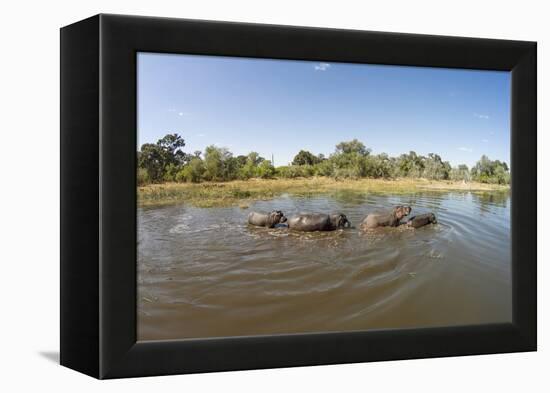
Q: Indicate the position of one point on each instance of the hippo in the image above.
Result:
(310, 222)
(269, 220)
(421, 220)
(391, 218)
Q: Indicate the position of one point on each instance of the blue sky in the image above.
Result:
(281, 106)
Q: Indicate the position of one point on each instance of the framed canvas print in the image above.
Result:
(239, 196)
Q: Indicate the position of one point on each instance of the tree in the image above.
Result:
(171, 144)
(152, 159)
(487, 171)
(170, 172)
(351, 147)
(250, 167)
(213, 163)
(324, 168)
(166, 161)
(254, 158)
(304, 157)
(379, 166)
(435, 168)
(350, 159)
(192, 172)
(460, 173)
(410, 165)
(241, 160)
(157, 158)
(266, 170)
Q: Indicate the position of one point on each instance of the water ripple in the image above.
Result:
(205, 272)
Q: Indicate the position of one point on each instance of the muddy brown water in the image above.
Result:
(203, 272)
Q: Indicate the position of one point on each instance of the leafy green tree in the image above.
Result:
(152, 160)
(155, 158)
(250, 167)
(266, 170)
(460, 173)
(488, 171)
(213, 163)
(166, 161)
(410, 165)
(304, 157)
(254, 158)
(352, 147)
(241, 160)
(171, 145)
(350, 159)
(379, 166)
(435, 168)
(170, 172)
(192, 172)
(324, 168)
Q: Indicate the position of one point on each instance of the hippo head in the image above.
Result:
(402, 211)
(275, 217)
(432, 218)
(340, 220)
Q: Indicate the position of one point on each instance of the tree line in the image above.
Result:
(165, 161)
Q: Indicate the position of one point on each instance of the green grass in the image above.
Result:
(243, 192)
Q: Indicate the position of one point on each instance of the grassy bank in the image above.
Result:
(244, 192)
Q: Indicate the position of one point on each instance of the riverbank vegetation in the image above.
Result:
(167, 174)
(244, 192)
(166, 162)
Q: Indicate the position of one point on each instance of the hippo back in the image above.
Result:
(309, 222)
(421, 220)
(258, 219)
(382, 219)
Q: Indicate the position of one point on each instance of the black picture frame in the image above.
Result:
(98, 195)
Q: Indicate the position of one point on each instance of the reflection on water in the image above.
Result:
(206, 273)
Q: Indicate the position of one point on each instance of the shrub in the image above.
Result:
(170, 173)
(324, 168)
(142, 177)
(192, 172)
(266, 170)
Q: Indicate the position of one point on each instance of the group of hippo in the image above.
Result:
(310, 222)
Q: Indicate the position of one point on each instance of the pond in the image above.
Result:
(204, 272)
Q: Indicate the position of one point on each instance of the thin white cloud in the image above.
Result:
(485, 140)
(200, 135)
(321, 66)
(466, 149)
(481, 116)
